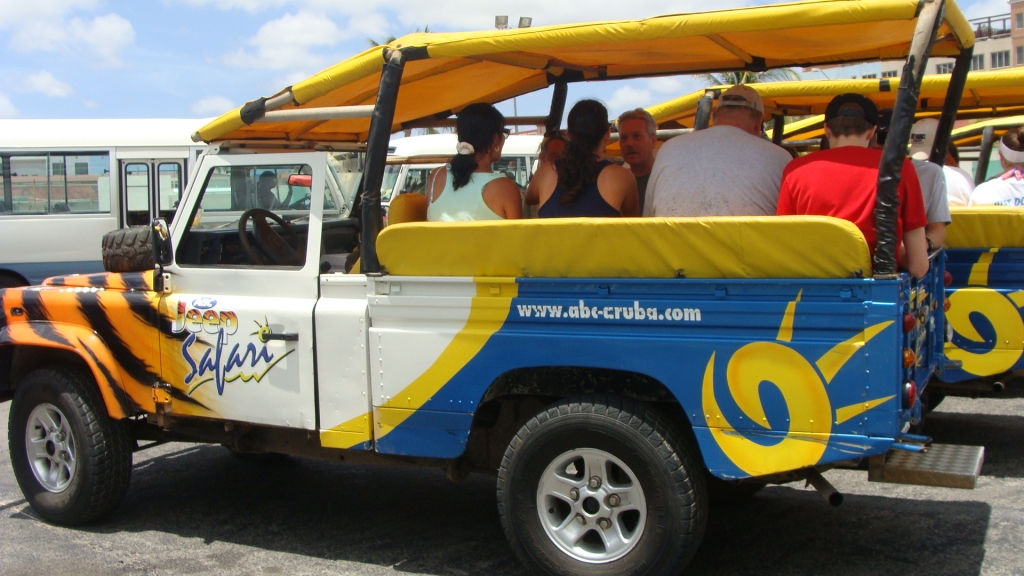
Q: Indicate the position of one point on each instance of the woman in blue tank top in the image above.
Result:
(467, 189)
(582, 183)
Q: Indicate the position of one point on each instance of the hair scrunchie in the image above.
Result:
(465, 149)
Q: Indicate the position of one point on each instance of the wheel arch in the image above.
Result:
(25, 346)
(521, 393)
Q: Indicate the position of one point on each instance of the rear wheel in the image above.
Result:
(602, 485)
(72, 462)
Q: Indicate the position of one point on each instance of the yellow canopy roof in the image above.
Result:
(986, 92)
(970, 135)
(446, 72)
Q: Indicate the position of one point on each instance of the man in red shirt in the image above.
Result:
(842, 181)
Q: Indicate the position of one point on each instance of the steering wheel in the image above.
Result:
(279, 251)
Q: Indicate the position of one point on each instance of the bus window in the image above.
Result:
(56, 184)
(30, 185)
(416, 180)
(169, 184)
(136, 184)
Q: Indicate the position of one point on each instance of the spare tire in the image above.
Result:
(129, 250)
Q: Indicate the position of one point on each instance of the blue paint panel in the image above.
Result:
(675, 347)
(36, 272)
(429, 433)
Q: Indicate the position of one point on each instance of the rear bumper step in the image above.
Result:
(943, 465)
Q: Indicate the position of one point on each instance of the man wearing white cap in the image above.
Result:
(1008, 189)
(725, 170)
(959, 184)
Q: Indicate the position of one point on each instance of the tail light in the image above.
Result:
(947, 278)
(909, 322)
(946, 305)
(909, 357)
(909, 395)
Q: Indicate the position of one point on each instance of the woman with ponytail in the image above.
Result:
(1008, 189)
(467, 189)
(582, 183)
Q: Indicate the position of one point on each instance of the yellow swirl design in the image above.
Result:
(810, 411)
(1005, 320)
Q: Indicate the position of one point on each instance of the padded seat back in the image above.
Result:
(720, 247)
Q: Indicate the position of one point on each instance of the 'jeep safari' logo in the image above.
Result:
(212, 360)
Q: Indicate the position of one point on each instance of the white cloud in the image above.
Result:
(212, 106)
(627, 98)
(45, 83)
(7, 109)
(107, 35)
(90, 104)
(667, 85)
(50, 25)
(287, 42)
(247, 5)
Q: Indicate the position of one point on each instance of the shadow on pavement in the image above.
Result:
(419, 522)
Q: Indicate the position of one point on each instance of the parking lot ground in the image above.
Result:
(195, 509)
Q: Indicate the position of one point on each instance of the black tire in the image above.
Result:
(103, 447)
(129, 250)
(661, 458)
(726, 492)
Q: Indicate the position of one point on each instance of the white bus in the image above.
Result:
(68, 182)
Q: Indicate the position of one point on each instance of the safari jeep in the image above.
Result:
(614, 374)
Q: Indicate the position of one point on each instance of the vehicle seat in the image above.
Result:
(405, 208)
(410, 207)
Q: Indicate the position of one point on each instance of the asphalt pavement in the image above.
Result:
(195, 509)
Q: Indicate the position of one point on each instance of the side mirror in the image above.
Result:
(301, 180)
(163, 253)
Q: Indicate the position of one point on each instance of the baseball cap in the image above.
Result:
(922, 138)
(742, 95)
(855, 105)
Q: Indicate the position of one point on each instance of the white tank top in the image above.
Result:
(466, 203)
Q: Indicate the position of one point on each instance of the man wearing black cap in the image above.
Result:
(842, 180)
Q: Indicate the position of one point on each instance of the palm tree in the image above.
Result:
(747, 77)
(373, 43)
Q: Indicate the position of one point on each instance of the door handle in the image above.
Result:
(286, 337)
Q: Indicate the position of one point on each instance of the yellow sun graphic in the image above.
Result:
(810, 411)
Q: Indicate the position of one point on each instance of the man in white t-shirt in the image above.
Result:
(1008, 189)
(725, 170)
(958, 183)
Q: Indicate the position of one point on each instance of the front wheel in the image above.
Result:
(602, 486)
(72, 462)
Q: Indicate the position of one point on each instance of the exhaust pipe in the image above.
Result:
(825, 490)
(998, 387)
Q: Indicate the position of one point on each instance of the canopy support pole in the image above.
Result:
(954, 93)
(777, 128)
(376, 156)
(558, 96)
(895, 150)
(704, 106)
(988, 136)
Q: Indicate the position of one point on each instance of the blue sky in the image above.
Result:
(199, 58)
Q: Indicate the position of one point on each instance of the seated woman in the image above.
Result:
(582, 183)
(467, 189)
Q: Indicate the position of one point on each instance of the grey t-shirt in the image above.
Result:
(933, 191)
(720, 171)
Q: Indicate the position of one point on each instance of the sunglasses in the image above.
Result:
(506, 131)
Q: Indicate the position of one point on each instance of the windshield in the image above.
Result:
(387, 187)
